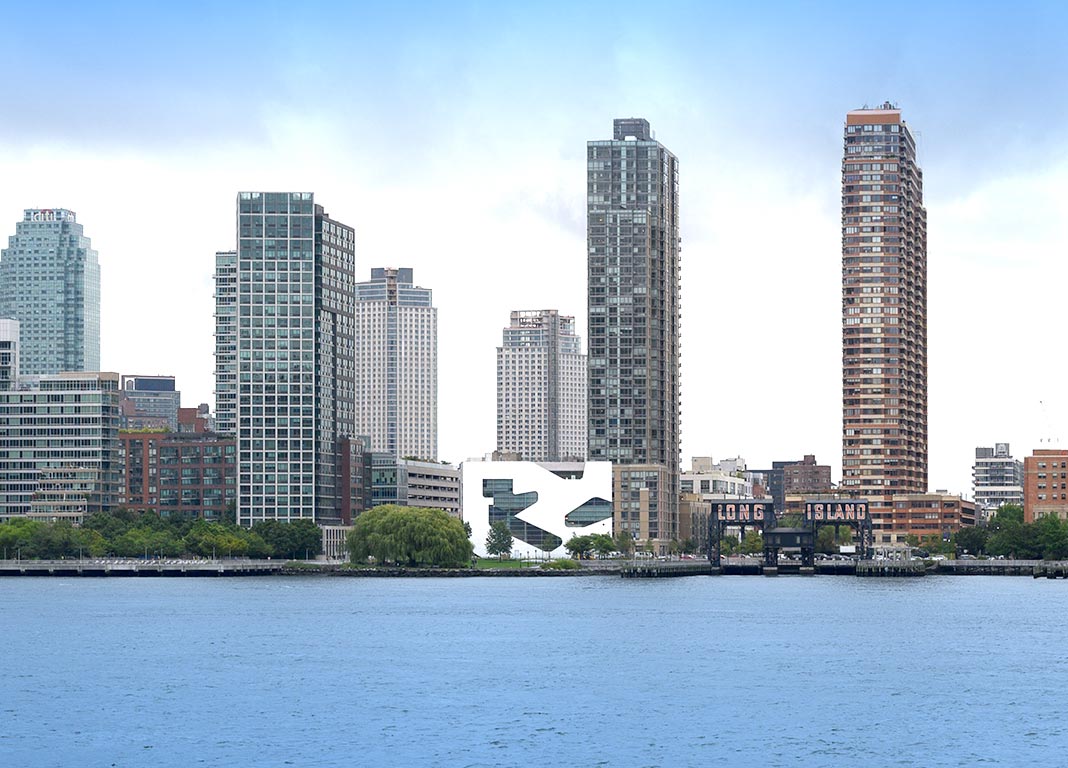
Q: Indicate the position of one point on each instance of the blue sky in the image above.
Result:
(452, 136)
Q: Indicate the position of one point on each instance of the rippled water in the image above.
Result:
(702, 671)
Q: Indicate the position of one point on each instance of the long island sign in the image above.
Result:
(833, 511)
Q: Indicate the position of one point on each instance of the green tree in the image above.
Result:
(409, 536)
(753, 543)
(579, 546)
(1006, 515)
(216, 540)
(971, 539)
(1010, 536)
(688, 546)
(602, 544)
(624, 542)
(827, 543)
(1051, 534)
(499, 540)
(728, 545)
(297, 540)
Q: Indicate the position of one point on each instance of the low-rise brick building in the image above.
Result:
(189, 474)
(929, 514)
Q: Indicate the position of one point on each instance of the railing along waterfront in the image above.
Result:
(139, 567)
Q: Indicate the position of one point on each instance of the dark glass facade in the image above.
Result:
(634, 357)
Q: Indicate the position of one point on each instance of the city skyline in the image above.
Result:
(441, 113)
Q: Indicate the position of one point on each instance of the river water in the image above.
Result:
(598, 671)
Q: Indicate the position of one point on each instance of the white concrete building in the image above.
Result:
(541, 388)
(725, 479)
(9, 353)
(396, 369)
(544, 505)
(997, 478)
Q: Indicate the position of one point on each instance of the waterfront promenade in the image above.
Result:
(139, 567)
(119, 567)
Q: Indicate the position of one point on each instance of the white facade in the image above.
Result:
(716, 484)
(9, 353)
(997, 478)
(396, 369)
(541, 388)
(226, 342)
(540, 502)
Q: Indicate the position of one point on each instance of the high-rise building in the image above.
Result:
(9, 354)
(50, 283)
(884, 315)
(289, 355)
(397, 365)
(633, 248)
(226, 342)
(541, 388)
(997, 478)
(60, 462)
(150, 400)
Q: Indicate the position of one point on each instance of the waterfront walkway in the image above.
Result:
(139, 567)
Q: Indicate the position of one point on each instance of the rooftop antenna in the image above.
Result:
(1055, 440)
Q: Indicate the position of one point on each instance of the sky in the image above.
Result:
(452, 136)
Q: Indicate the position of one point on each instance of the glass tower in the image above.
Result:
(884, 314)
(634, 284)
(289, 347)
(50, 283)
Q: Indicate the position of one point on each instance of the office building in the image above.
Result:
(412, 483)
(289, 355)
(59, 459)
(633, 247)
(997, 478)
(541, 388)
(884, 314)
(1046, 484)
(150, 402)
(397, 365)
(50, 283)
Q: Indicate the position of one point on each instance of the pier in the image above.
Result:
(1051, 570)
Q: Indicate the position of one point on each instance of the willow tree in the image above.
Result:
(409, 536)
